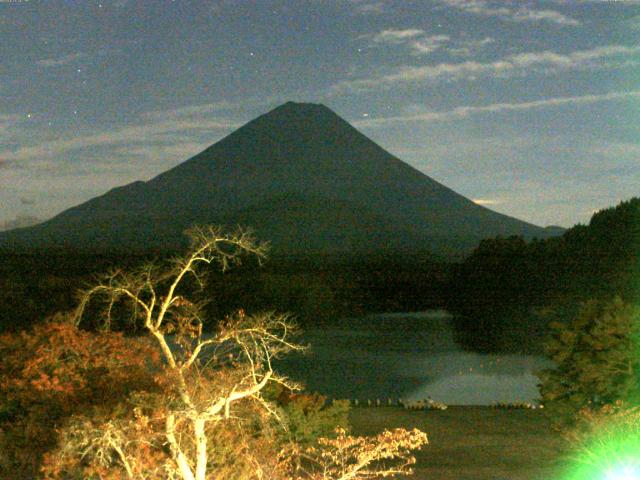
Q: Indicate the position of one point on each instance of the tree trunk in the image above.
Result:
(201, 448)
(176, 452)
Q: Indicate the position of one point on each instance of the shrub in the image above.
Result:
(309, 416)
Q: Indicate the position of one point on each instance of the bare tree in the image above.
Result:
(209, 375)
(206, 383)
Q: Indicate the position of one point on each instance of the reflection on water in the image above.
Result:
(411, 356)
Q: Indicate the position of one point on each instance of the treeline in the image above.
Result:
(317, 290)
(506, 292)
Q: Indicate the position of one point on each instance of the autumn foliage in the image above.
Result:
(174, 403)
(55, 371)
(385, 455)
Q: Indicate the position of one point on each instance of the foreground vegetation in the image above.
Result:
(171, 402)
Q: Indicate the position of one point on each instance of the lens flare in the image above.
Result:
(613, 459)
(623, 472)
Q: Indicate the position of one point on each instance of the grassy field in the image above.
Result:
(474, 443)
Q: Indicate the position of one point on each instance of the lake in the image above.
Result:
(410, 356)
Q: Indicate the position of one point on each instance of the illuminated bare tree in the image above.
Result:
(205, 376)
(207, 390)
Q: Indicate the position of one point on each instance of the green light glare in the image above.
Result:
(624, 472)
(610, 458)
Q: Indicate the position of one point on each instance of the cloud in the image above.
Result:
(499, 10)
(469, 47)
(466, 111)
(420, 43)
(429, 44)
(20, 221)
(163, 155)
(486, 201)
(397, 36)
(59, 61)
(527, 15)
(366, 7)
(414, 38)
(204, 109)
(521, 63)
(188, 111)
(573, 59)
(74, 57)
(129, 135)
(159, 137)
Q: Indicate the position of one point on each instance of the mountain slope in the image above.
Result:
(298, 168)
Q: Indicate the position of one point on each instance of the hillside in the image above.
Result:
(507, 290)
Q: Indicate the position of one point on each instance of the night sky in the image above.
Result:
(529, 107)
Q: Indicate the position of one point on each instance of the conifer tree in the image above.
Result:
(597, 359)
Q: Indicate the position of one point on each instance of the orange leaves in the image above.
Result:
(50, 383)
(59, 357)
(56, 370)
(348, 457)
(108, 397)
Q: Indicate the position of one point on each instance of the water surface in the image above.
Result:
(409, 356)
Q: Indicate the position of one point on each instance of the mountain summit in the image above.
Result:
(302, 177)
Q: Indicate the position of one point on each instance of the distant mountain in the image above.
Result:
(554, 230)
(303, 178)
